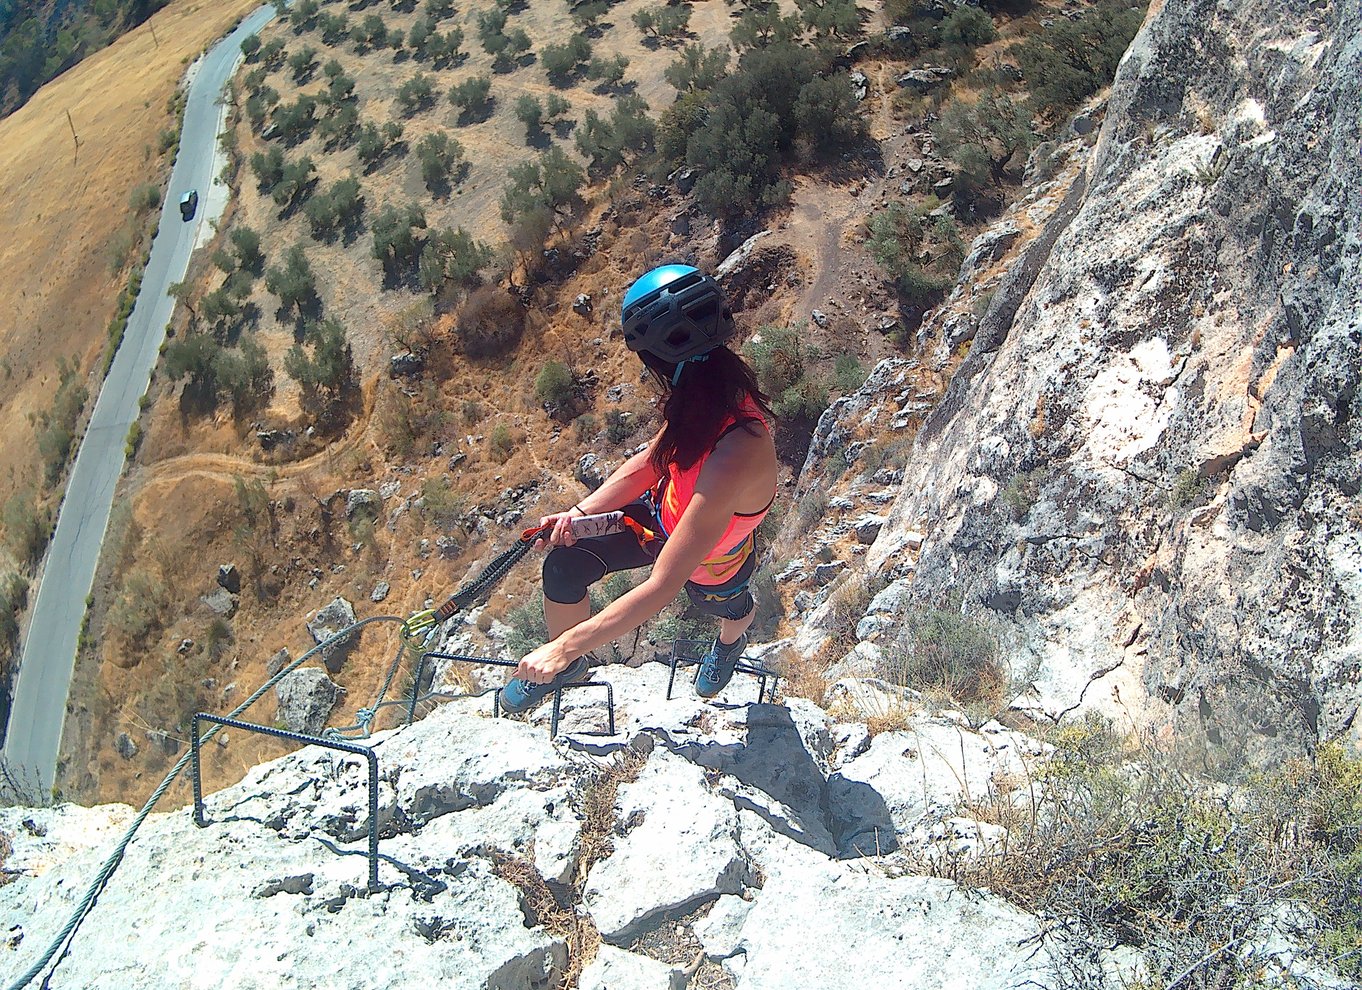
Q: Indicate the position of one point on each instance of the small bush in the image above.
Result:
(1021, 492)
(501, 443)
(1188, 489)
(28, 525)
(555, 387)
(967, 27)
(490, 322)
(473, 97)
(1135, 846)
(584, 428)
(527, 630)
(921, 252)
(441, 504)
(945, 653)
(417, 93)
(145, 197)
(1067, 61)
(139, 611)
(619, 426)
(779, 357)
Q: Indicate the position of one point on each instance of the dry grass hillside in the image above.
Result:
(71, 231)
(455, 448)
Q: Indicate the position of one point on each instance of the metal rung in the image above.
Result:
(265, 730)
(683, 651)
(496, 697)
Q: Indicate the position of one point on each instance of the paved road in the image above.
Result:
(39, 706)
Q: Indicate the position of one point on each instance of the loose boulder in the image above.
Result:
(327, 623)
(229, 578)
(306, 697)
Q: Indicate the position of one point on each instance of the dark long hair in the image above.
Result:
(694, 409)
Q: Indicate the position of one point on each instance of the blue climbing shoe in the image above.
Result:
(716, 669)
(520, 696)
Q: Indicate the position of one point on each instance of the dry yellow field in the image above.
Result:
(62, 205)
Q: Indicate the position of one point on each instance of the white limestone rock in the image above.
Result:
(833, 927)
(616, 969)
(677, 833)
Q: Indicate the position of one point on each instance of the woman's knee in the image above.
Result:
(568, 574)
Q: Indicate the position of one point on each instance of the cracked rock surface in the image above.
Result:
(735, 807)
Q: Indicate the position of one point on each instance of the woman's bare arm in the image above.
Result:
(725, 480)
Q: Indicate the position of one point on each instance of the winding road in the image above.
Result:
(38, 711)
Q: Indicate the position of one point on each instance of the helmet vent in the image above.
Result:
(685, 282)
(703, 312)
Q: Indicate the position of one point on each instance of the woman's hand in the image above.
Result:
(544, 664)
(559, 533)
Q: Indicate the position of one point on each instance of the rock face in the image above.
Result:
(1148, 466)
(763, 836)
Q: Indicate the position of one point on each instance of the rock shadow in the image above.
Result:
(843, 819)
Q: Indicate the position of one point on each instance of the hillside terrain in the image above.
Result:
(1061, 586)
(82, 164)
(253, 462)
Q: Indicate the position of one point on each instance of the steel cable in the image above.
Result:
(489, 577)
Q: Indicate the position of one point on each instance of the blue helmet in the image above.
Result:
(674, 313)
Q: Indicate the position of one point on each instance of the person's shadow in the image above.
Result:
(782, 783)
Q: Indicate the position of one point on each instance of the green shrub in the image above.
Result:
(441, 504)
(139, 611)
(28, 525)
(624, 137)
(697, 69)
(1021, 492)
(1067, 61)
(607, 71)
(945, 653)
(900, 236)
(439, 155)
(565, 60)
(527, 629)
(747, 127)
(967, 27)
(323, 367)
(1188, 489)
(980, 139)
(838, 18)
(779, 357)
(57, 425)
(620, 426)
(584, 428)
(827, 113)
(501, 443)
(417, 93)
(473, 97)
(293, 282)
(847, 374)
(452, 257)
(144, 197)
(552, 183)
(396, 244)
(1138, 848)
(13, 601)
(555, 387)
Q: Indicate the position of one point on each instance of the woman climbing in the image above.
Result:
(698, 492)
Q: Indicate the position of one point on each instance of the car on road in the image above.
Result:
(189, 204)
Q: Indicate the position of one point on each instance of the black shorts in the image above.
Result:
(570, 571)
